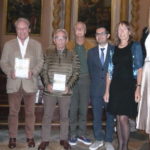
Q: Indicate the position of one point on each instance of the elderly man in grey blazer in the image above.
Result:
(21, 61)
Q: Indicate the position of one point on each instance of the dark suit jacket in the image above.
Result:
(97, 72)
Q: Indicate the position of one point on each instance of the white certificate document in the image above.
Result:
(59, 83)
(22, 67)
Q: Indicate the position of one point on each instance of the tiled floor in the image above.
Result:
(138, 140)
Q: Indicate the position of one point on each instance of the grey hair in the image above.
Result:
(22, 20)
(80, 22)
(60, 30)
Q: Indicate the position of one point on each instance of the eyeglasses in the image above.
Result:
(101, 34)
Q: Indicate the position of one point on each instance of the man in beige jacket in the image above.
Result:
(21, 81)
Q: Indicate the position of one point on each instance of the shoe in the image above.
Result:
(43, 145)
(65, 144)
(109, 146)
(73, 141)
(12, 143)
(96, 145)
(84, 140)
(30, 142)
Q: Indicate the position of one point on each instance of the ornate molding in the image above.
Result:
(115, 16)
(135, 17)
(124, 10)
(68, 15)
(56, 12)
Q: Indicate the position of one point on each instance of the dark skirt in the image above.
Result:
(122, 99)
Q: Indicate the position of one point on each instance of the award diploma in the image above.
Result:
(22, 67)
(59, 83)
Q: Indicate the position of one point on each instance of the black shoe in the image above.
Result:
(43, 145)
(30, 142)
(12, 143)
(65, 144)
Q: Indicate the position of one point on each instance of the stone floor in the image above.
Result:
(138, 140)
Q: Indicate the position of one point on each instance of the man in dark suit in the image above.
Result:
(98, 58)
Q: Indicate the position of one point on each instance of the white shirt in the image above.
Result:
(147, 46)
(23, 47)
(105, 50)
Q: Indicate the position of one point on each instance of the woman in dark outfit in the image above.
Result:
(123, 81)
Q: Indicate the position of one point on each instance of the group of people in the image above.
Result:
(75, 73)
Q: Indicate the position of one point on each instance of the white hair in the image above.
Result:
(26, 21)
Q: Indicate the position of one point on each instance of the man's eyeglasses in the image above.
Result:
(101, 34)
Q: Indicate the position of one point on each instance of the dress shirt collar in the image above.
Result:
(25, 41)
(23, 46)
(106, 45)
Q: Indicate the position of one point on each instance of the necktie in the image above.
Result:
(102, 55)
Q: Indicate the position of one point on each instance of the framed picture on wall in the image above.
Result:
(30, 9)
(95, 13)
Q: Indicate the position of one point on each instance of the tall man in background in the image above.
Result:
(80, 97)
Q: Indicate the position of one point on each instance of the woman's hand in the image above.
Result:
(138, 94)
(138, 86)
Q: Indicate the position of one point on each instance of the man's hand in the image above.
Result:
(12, 74)
(49, 88)
(30, 75)
(66, 90)
(106, 97)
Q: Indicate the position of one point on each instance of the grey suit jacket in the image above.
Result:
(11, 51)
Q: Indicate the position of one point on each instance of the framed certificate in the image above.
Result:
(22, 67)
(59, 82)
